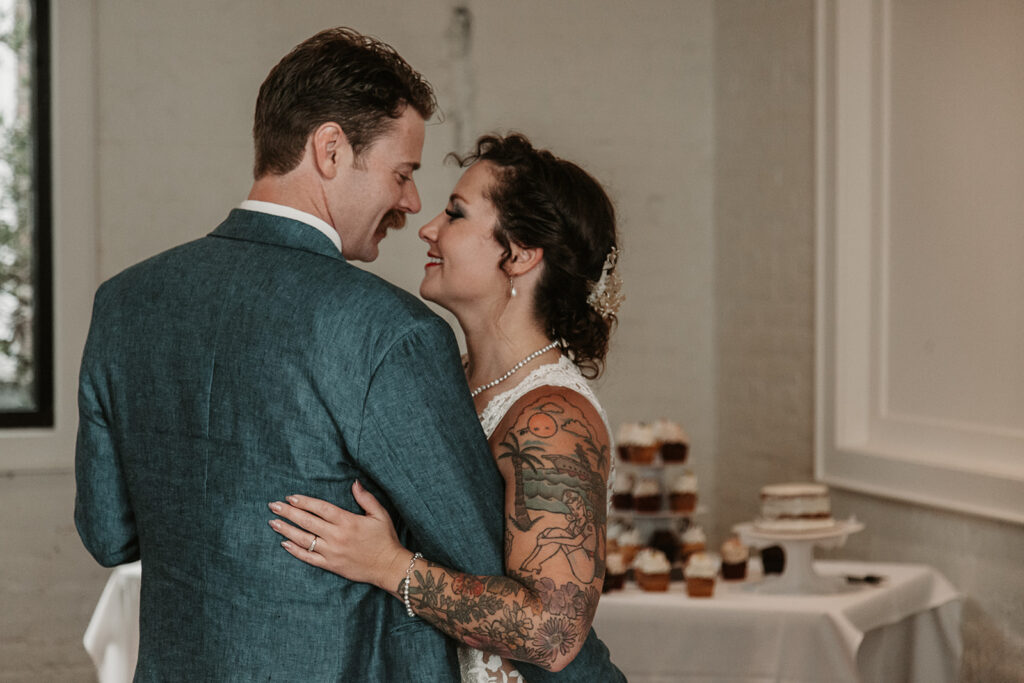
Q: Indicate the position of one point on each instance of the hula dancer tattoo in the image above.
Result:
(577, 541)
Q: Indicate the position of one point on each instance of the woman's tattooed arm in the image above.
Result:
(553, 451)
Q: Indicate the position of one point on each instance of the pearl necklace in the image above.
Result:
(515, 368)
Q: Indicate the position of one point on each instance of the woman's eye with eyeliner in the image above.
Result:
(453, 214)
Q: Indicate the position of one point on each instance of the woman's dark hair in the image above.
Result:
(338, 75)
(547, 202)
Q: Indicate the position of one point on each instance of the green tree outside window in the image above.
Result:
(23, 366)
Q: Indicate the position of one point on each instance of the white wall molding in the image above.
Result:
(878, 428)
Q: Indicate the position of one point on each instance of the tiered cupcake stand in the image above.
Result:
(647, 523)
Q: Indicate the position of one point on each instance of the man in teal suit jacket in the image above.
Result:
(257, 362)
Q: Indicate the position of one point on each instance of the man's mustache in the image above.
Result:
(393, 220)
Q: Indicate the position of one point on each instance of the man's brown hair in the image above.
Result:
(340, 76)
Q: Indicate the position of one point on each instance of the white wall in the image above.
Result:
(764, 302)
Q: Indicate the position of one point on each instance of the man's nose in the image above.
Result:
(411, 199)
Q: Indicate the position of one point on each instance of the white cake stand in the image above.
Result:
(798, 575)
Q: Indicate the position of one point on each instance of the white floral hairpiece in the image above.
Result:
(605, 296)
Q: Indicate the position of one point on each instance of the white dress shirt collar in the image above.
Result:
(294, 214)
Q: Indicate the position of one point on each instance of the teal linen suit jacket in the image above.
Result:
(246, 366)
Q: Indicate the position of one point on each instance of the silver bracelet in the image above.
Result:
(405, 590)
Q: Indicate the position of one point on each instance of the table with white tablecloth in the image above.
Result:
(906, 628)
(112, 638)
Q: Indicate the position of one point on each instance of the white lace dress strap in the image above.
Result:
(477, 666)
(564, 373)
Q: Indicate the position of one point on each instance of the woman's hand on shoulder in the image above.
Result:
(363, 548)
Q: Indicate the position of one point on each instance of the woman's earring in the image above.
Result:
(512, 284)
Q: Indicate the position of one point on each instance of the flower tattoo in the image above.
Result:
(556, 635)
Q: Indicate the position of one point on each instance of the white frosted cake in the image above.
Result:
(795, 507)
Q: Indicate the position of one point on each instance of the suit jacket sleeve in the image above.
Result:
(103, 514)
(422, 444)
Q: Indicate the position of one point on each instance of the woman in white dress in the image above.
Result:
(524, 255)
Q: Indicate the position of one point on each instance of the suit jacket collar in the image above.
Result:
(256, 226)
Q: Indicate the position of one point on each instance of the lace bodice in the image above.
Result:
(477, 666)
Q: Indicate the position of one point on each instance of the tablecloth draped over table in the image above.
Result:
(906, 629)
(112, 638)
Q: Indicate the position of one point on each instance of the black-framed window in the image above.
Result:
(26, 263)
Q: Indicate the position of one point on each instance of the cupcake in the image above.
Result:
(673, 441)
(701, 572)
(622, 492)
(615, 530)
(682, 495)
(773, 559)
(667, 542)
(647, 495)
(615, 572)
(637, 443)
(651, 569)
(734, 559)
(629, 544)
(693, 541)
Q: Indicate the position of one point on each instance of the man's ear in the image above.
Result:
(330, 149)
(523, 260)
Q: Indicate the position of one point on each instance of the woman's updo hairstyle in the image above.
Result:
(546, 202)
